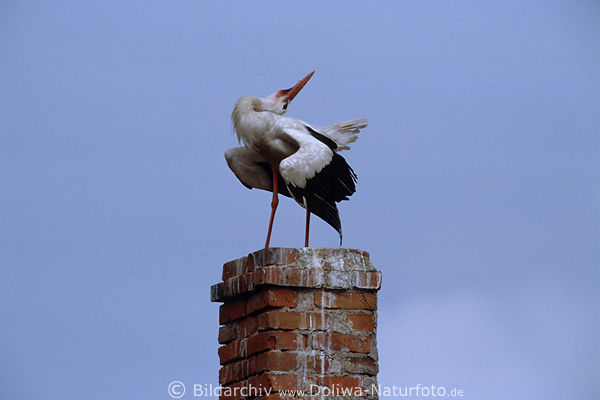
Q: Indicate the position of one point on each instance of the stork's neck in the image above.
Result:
(250, 120)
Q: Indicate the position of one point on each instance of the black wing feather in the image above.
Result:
(334, 183)
(322, 138)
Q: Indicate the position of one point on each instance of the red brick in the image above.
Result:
(286, 340)
(361, 322)
(270, 341)
(237, 371)
(267, 342)
(361, 365)
(339, 341)
(268, 361)
(224, 374)
(346, 300)
(367, 280)
(260, 342)
(282, 297)
(232, 310)
(232, 287)
(229, 352)
(248, 326)
(276, 361)
(303, 342)
(265, 257)
(232, 268)
(286, 276)
(267, 275)
(280, 320)
(339, 382)
(224, 396)
(249, 263)
(274, 297)
(288, 320)
(243, 284)
(317, 321)
(233, 395)
(257, 258)
(280, 256)
(365, 254)
(275, 382)
(227, 333)
(318, 363)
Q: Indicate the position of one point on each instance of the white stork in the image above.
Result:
(288, 156)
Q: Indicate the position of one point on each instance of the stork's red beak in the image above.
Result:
(293, 91)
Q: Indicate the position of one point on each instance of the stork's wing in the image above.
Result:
(253, 170)
(316, 176)
(310, 158)
(343, 133)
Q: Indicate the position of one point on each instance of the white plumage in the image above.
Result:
(288, 156)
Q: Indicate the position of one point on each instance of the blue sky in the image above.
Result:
(477, 194)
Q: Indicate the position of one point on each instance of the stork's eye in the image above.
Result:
(285, 105)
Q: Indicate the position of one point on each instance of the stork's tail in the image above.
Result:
(343, 133)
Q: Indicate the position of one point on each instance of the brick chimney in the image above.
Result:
(298, 319)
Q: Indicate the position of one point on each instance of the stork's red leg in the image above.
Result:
(274, 204)
(307, 226)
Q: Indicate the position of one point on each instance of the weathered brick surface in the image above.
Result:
(267, 361)
(341, 342)
(227, 333)
(243, 306)
(289, 320)
(319, 363)
(276, 382)
(339, 381)
(276, 297)
(271, 340)
(362, 322)
(293, 318)
(248, 326)
(311, 268)
(232, 310)
(361, 365)
(346, 300)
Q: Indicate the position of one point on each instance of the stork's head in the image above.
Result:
(278, 102)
